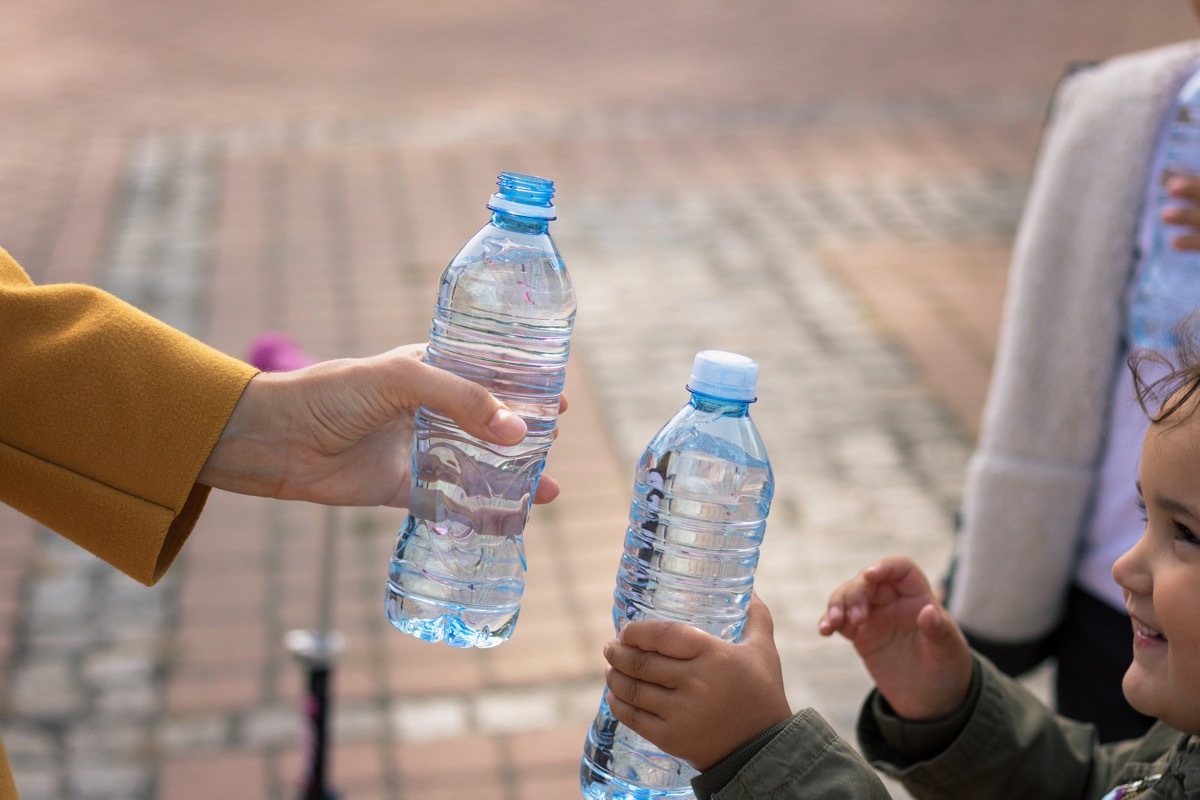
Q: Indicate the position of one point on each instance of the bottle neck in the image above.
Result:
(718, 405)
(517, 224)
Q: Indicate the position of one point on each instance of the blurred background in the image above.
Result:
(829, 188)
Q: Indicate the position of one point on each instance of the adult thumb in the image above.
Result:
(473, 408)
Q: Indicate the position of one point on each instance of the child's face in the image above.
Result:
(1161, 576)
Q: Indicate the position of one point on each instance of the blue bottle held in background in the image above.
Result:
(1168, 285)
(503, 319)
(701, 495)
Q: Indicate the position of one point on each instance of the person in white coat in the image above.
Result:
(1050, 500)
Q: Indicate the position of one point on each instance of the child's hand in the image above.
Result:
(1187, 214)
(693, 695)
(907, 641)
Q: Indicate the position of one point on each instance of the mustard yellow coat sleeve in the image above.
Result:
(8, 790)
(106, 417)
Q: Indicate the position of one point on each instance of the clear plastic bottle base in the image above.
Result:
(447, 627)
(613, 788)
(618, 764)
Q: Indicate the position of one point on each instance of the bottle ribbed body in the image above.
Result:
(1168, 286)
(702, 492)
(503, 319)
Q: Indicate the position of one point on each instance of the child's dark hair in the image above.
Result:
(1162, 397)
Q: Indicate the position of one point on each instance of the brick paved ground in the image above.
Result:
(830, 189)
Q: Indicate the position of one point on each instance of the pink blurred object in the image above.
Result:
(316, 650)
(277, 352)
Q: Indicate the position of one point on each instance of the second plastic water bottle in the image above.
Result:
(701, 495)
(503, 319)
(1168, 286)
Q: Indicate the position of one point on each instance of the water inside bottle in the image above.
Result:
(692, 546)
(620, 765)
(458, 569)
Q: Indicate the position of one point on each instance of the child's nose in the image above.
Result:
(1129, 570)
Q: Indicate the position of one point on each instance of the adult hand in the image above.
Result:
(340, 432)
(693, 695)
(915, 652)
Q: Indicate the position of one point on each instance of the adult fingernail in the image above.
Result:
(506, 425)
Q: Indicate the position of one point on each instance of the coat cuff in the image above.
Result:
(902, 742)
(715, 779)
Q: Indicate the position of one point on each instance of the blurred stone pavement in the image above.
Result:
(831, 189)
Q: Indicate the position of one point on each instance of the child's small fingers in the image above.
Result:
(846, 621)
(672, 639)
(641, 722)
(886, 569)
(831, 621)
(892, 569)
(898, 576)
(849, 603)
(644, 665)
(839, 602)
(637, 694)
(878, 572)
(858, 599)
(857, 587)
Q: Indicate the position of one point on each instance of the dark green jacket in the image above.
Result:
(1005, 743)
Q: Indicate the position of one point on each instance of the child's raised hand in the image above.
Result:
(1186, 214)
(693, 695)
(915, 652)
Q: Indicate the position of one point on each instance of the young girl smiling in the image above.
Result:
(942, 719)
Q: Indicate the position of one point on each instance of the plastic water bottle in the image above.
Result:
(503, 319)
(1168, 286)
(701, 495)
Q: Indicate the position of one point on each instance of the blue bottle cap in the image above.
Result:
(727, 376)
(524, 196)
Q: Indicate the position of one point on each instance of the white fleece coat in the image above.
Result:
(1029, 483)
